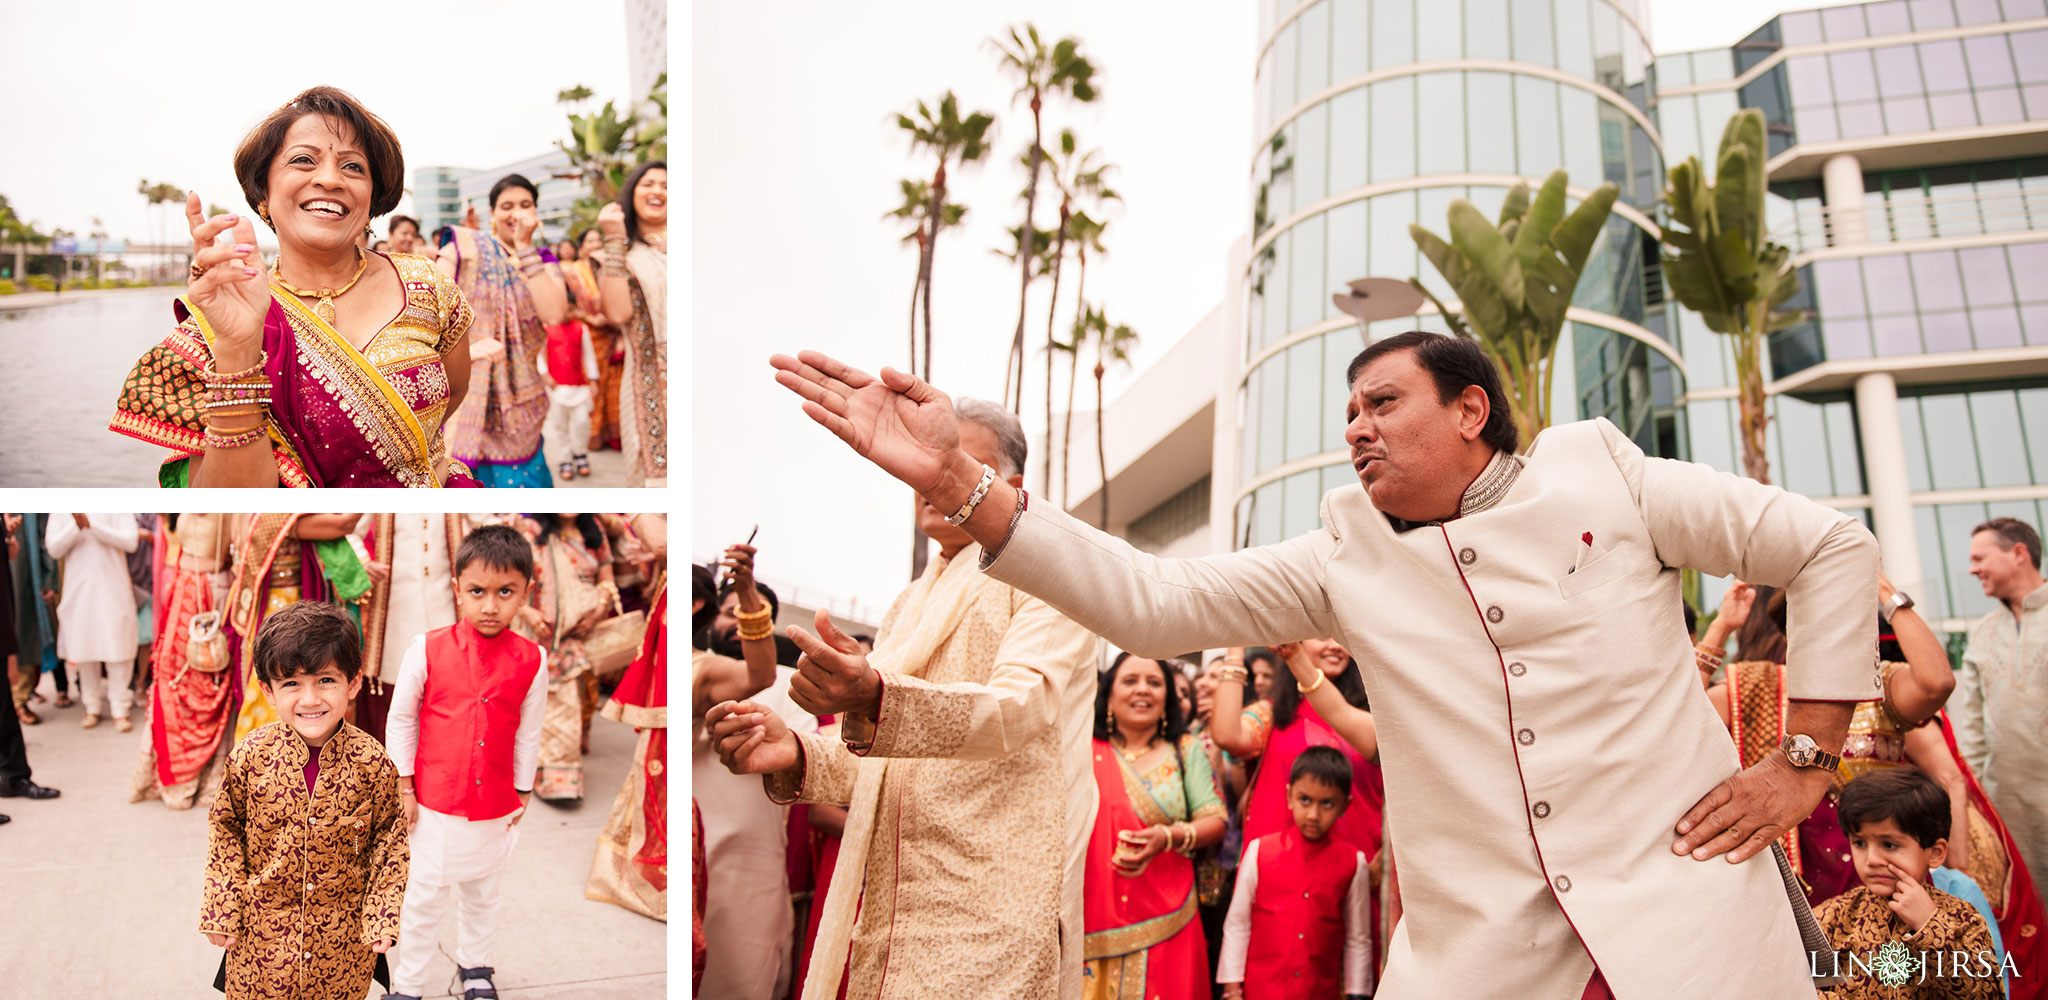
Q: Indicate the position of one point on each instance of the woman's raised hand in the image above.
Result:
(231, 292)
(611, 219)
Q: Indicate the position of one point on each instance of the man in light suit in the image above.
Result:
(1556, 784)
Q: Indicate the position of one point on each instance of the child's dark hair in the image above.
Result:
(1905, 795)
(1325, 764)
(498, 547)
(304, 636)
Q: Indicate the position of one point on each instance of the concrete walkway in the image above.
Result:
(102, 895)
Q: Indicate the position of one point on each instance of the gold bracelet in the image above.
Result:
(210, 376)
(766, 613)
(1313, 688)
(752, 630)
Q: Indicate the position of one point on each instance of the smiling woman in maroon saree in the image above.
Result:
(337, 416)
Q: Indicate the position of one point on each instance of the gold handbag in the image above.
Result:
(612, 645)
(206, 646)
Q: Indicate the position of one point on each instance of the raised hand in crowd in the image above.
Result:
(227, 286)
(750, 739)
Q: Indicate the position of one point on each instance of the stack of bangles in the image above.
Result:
(533, 259)
(1180, 839)
(756, 624)
(611, 590)
(231, 395)
(1706, 657)
(1233, 670)
(614, 265)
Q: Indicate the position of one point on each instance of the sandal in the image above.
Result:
(483, 972)
(63, 700)
(27, 717)
(583, 466)
(568, 471)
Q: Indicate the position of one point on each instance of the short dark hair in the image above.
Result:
(1259, 653)
(304, 636)
(626, 197)
(2012, 531)
(380, 146)
(391, 227)
(1903, 794)
(1454, 362)
(513, 181)
(1325, 764)
(703, 587)
(497, 547)
(380, 244)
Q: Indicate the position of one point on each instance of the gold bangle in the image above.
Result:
(1312, 688)
(749, 630)
(766, 613)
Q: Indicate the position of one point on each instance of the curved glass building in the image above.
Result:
(1371, 115)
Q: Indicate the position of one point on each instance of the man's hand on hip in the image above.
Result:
(1744, 814)
(833, 676)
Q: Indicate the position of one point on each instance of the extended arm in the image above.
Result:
(1351, 722)
(526, 739)
(402, 724)
(1920, 690)
(1227, 724)
(117, 530)
(1237, 924)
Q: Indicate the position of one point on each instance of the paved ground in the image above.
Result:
(30, 299)
(102, 896)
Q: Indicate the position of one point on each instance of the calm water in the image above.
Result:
(63, 371)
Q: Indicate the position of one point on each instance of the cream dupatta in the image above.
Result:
(928, 615)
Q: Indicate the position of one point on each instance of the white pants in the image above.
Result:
(569, 418)
(419, 929)
(91, 678)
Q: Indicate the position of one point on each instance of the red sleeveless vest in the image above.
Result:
(469, 713)
(1297, 941)
(565, 353)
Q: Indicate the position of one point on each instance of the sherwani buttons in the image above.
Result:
(1562, 884)
(1541, 809)
(1495, 614)
(1517, 669)
(1525, 736)
(1467, 556)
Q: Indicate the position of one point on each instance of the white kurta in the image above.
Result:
(1541, 724)
(749, 925)
(422, 593)
(2000, 701)
(447, 850)
(96, 617)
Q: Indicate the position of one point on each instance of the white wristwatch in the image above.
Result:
(1802, 751)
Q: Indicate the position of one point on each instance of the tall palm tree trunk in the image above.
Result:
(1074, 368)
(1101, 456)
(1058, 256)
(1754, 411)
(937, 217)
(1015, 364)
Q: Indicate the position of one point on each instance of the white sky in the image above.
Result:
(797, 159)
(103, 94)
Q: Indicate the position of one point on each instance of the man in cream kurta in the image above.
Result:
(969, 786)
(96, 628)
(411, 559)
(1541, 724)
(2001, 696)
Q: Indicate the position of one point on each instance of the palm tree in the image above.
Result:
(604, 145)
(1112, 346)
(1061, 69)
(154, 195)
(942, 131)
(1086, 234)
(1720, 263)
(1515, 280)
(917, 201)
(1077, 175)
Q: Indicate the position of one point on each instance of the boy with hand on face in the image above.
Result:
(307, 861)
(1908, 938)
(464, 733)
(1301, 911)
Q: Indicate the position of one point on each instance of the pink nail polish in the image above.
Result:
(232, 218)
(248, 272)
(244, 247)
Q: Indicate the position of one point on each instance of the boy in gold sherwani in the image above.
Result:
(308, 860)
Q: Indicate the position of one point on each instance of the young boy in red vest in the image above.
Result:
(307, 860)
(568, 367)
(1300, 921)
(464, 732)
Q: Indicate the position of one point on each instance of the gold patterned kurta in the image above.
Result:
(305, 882)
(1863, 925)
(983, 811)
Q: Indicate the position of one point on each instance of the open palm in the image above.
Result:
(897, 421)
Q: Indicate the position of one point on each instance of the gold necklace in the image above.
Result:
(659, 242)
(325, 307)
(1124, 749)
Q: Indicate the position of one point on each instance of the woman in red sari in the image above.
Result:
(1158, 806)
(631, 866)
(334, 366)
(1278, 731)
(189, 708)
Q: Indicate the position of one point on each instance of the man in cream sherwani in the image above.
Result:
(1567, 810)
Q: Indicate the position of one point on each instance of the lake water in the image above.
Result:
(62, 373)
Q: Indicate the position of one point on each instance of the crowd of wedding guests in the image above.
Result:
(140, 623)
(1236, 843)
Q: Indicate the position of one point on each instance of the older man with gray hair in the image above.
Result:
(963, 761)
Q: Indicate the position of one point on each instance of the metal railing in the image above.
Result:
(1906, 219)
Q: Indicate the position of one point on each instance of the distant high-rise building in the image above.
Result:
(557, 199)
(646, 44)
(437, 197)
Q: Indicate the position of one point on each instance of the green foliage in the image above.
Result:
(1719, 261)
(42, 283)
(605, 145)
(1515, 278)
(944, 132)
(13, 229)
(6, 286)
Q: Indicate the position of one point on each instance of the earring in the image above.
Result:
(263, 212)
(1108, 717)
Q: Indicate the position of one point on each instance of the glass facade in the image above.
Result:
(1929, 302)
(1363, 131)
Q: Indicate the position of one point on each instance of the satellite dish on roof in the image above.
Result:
(1373, 299)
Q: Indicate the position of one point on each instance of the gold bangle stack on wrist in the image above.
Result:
(1233, 673)
(755, 624)
(1313, 688)
(530, 263)
(614, 265)
(229, 395)
(1706, 657)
